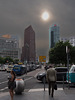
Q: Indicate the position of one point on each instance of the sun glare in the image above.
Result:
(45, 16)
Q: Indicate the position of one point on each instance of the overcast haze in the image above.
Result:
(16, 15)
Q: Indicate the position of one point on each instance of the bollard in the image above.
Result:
(68, 85)
(19, 86)
(26, 70)
(63, 81)
(44, 83)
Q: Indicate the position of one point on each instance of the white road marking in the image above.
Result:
(7, 81)
(3, 82)
(28, 79)
(3, 76)
(4, 89)
(41, 89)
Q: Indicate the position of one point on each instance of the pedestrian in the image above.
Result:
(51, 78)
(11, 84)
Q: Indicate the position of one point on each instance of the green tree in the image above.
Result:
(58, 54)
(1, 60)
(72, 55)
(8, 60)
(16, 61)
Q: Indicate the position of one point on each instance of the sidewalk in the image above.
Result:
(40, 94)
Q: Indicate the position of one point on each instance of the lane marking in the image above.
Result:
(7, 81)
(41, 89)
(28, 79)
(2, 77)
(3, 82)
(4, 89)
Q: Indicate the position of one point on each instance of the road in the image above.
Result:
(30, 81)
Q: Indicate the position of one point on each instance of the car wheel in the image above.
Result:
(44, 79)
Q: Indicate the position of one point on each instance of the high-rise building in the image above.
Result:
(53, 35)
(9, 47)
(28, 50)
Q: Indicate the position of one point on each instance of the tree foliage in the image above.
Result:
(8, 59)
(58, 54)
(5, 60)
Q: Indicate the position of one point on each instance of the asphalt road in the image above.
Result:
(30, 81)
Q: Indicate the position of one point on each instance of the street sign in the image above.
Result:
(42, 58)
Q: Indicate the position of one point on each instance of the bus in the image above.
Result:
(19, 69)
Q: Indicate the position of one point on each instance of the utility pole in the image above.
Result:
(67, 52)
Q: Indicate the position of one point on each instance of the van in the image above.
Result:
(71, 74)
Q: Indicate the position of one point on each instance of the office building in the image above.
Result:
(28, 50)
(71, 40)
(9, 47)
(54, 35)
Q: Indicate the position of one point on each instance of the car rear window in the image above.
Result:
(61, 69)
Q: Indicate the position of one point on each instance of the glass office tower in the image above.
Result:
(54, 35)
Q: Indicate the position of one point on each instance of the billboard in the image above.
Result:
(42, 58)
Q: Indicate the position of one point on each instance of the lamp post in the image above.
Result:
(67, 52)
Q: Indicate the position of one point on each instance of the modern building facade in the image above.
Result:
(63, 39)
(28, 50)
(9, 47)
(54, 35)
(71, 40)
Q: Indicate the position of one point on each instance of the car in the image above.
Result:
(10, 68)
(46, 67)
(2, 67)
(38, 66)
(40, 76)
(61, 74)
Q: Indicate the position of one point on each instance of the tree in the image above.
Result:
(72, 55)
(8, 60)
(16, 61)
(57, 54)
(1, 60)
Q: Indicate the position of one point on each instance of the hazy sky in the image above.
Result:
(16, 15)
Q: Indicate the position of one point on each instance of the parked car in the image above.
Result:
(61, 73)
(40, 76)
(37, 66)
(2, 67)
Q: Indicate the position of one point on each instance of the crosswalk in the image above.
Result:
(42, 89)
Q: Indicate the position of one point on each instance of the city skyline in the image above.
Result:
(18, 15)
